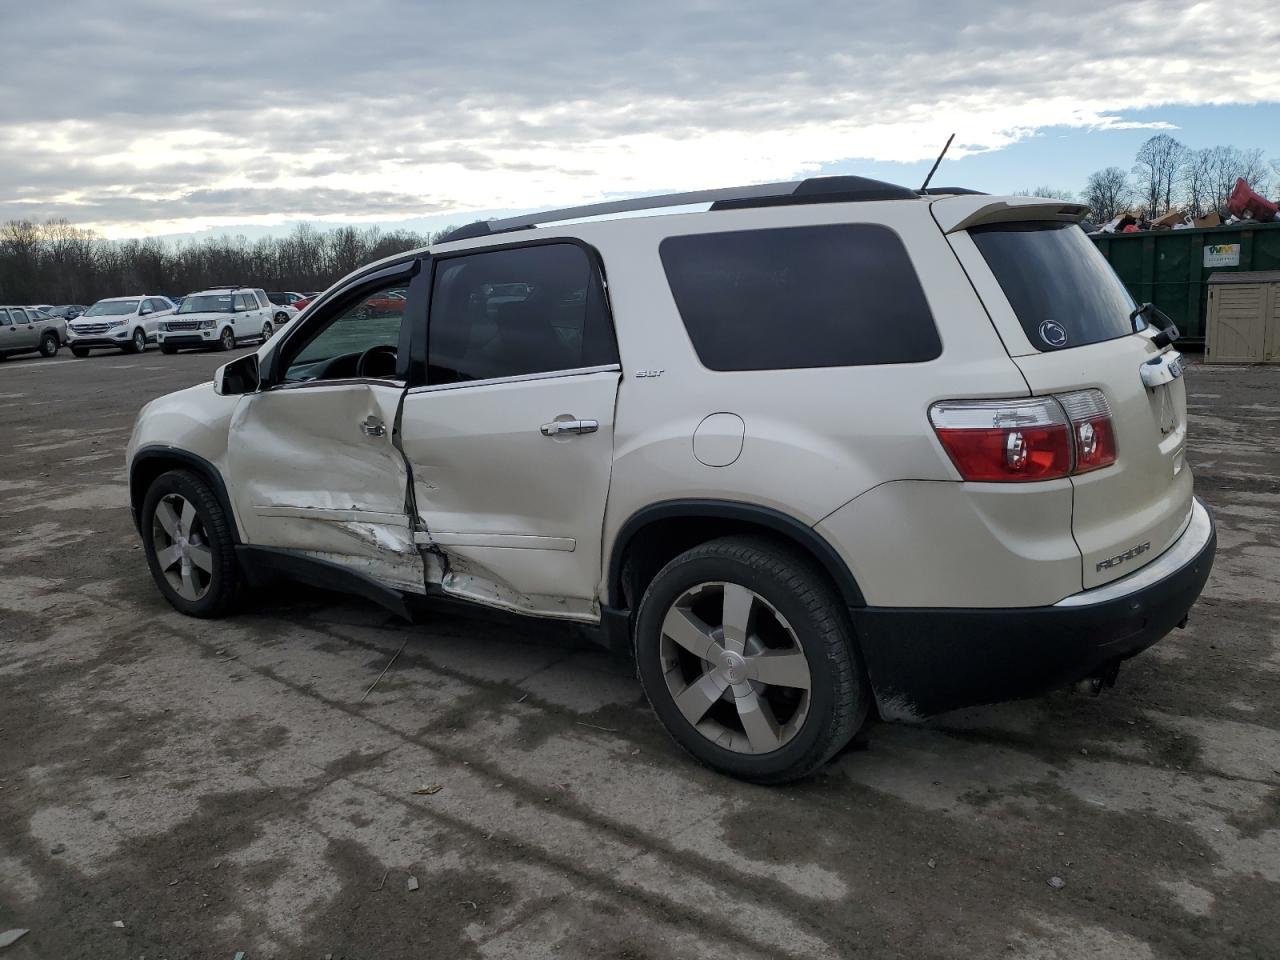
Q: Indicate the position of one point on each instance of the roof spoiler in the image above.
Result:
(964, 212)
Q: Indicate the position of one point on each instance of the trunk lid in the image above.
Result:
(1064, 318)
(1127, 514)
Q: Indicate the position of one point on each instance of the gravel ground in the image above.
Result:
(217, 787)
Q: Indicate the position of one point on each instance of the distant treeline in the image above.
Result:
(57, 262)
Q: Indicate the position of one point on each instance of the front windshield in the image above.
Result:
(207, 303)
(112, 308)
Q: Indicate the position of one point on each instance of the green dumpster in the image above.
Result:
(1171, 268)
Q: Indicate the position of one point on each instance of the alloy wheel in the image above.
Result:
(181, 547)
(735, 668)
(267, 330)
(228, 339)
(139, 341)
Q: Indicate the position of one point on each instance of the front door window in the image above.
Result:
(360, 340)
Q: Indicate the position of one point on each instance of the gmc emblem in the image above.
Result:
(1122, 557)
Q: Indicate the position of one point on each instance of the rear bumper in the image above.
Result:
(925, 661)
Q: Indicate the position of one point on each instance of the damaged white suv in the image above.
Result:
(823, 450)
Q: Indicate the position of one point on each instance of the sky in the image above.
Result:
(142, 117)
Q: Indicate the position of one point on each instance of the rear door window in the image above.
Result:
(509, 313)
(1058, 283)
(837, 295)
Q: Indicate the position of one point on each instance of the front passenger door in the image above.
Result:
(24, 333)
(511, 437)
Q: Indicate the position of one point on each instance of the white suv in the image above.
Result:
(221, 317)
(827, 449)
(125, 323)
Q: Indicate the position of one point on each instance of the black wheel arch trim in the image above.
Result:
(775, 520)
(197, 464)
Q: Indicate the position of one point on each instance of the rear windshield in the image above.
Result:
(1061, 287)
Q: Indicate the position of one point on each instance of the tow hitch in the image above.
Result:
(1104, 678)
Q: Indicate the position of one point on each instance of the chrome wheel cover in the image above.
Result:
(735, 668)
(181, 547)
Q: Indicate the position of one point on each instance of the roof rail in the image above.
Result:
(812, 190)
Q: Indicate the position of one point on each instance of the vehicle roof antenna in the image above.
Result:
(934, 169)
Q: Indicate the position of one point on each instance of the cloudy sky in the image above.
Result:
(159, 116)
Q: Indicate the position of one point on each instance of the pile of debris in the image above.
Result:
(1243, 206)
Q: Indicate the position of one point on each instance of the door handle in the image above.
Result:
(373, 427)
(557, 427)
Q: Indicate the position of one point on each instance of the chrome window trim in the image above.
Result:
(339, 382)
(520, 378)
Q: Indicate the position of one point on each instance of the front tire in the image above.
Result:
(747, 656)
(49, 345)
(138, 344)
(80, 352)
(165, 348)
(228, 340)
(267, 330)
(190, 546)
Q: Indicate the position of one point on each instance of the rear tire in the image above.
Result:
(756, 719)
(49, 345)
(81, 352)
(191, 554)
(139, 342)
(228, 340)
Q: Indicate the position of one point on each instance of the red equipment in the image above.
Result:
(1245, 203)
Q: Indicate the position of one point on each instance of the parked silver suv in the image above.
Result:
(823, 450)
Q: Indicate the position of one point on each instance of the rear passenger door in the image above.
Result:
(248, 322)
(510, 439)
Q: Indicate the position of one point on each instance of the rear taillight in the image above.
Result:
(1023, 440)
(1095, 437)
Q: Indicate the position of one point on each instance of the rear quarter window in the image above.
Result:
(1058, 283)
(834, 295)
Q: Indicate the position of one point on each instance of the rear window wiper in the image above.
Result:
(1169, 331)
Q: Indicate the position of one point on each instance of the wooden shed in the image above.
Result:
(1243, 318)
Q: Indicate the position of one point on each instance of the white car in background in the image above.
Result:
(123, 323)
(283, 305)
(221, 317)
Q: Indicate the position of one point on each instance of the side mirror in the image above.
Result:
(144, 311)
(239, 376)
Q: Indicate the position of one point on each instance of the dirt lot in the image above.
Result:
(220, 786)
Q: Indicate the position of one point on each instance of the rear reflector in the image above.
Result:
(1028, 439)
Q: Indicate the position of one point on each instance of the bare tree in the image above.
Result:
(1158, 162)
(1196, 177)
(1108, 194)
(1229, 164)
(57, 262)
